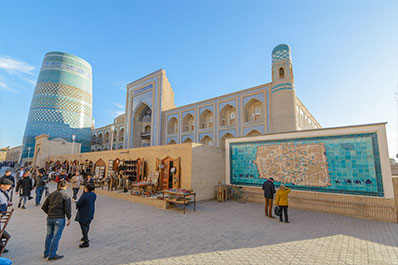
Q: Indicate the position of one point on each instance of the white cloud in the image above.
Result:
(5, 87)
(12, 65)
(119, 106)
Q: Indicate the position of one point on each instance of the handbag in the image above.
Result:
(277, 211)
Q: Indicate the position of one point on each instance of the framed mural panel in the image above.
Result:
(348, 164)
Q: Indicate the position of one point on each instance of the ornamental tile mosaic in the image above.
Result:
(259, 96)
(258, 128)
(348, 164)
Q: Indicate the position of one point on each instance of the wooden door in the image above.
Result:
(177, 175)
(164, 180)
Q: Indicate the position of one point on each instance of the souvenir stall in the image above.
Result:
(169, 173)
(99, 169)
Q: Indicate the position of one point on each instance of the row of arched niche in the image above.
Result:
(209, 141)
(101, 138)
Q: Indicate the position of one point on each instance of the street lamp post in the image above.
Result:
(73, 142)
(29, 152)
(112, 130)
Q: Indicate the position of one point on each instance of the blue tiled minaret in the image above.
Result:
(62, 102)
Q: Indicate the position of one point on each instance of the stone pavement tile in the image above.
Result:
(217, 233)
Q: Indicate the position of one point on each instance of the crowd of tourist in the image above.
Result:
(58, 204)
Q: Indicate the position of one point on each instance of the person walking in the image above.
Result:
(24, 187)
(282, 202)
(85, 212)
(5, 186)
(57, 205)
(76, 183)
(269, 191)
(8, 175)
(19, 174)
(40, 183)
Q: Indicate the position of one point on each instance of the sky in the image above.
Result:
(345, 53)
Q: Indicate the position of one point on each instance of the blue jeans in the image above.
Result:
(39, 193)
(54, 232)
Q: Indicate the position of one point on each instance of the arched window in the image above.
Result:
(206, 140)
(281, 72)
(188, 124)
(188, 140)
(253, 110)
(106, 137)
(225, 137)
(99, 140)
(172, 142)
(206, 120)
(172, 126)
(94, 140)
(227, 116)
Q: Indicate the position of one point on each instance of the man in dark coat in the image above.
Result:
(57, 205)
(85, 212)
(24, 187)
(269, 191)
(8, 175)
(40, 183)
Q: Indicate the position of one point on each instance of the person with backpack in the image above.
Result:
(282, 202)
(269, 191)
(24, 187)
(85, 212)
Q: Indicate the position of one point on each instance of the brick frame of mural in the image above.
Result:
(345, 163)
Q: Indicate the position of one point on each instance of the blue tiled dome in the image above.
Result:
(281, 52)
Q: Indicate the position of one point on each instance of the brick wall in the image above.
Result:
(367, 207)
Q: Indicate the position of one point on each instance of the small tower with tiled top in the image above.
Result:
(283, 95)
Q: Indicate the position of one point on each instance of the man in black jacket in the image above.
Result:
(269, 191)
(56, 206)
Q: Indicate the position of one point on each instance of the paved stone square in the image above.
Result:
(217, 233)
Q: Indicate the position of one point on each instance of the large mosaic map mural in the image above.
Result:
(348, 164)
(303, 164)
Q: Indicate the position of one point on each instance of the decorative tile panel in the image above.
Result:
(192, 112)
(351, 162)
(172, 138)
(172, 116)
(223, 132)
(210, 134)
(248, 129)
(191, 136)
(259, 96)
(209, 108)
(231, 102)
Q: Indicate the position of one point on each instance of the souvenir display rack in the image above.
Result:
(180, 196)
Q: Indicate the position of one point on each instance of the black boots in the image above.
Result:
(84, 244)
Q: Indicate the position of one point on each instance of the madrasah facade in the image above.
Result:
(151, 117)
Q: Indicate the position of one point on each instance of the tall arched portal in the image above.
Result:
(142, 126)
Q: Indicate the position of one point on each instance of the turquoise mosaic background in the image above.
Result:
(353, 160)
